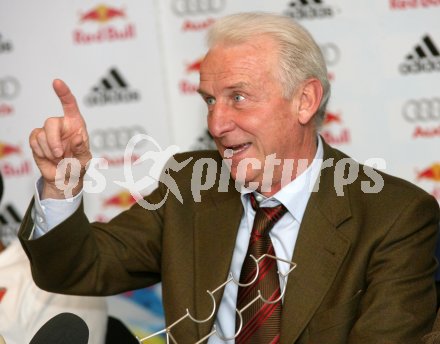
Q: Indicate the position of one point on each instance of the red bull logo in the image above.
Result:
(335, 134)
(122, 199)
(332, 118)
(7, 149)
(102, 14)
(431, 173)
(13, 168)
(194, 66)
(189, 87)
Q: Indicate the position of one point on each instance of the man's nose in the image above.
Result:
(220, 121)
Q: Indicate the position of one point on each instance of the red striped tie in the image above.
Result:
(261, 321)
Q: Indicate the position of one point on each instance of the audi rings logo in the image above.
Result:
(422, 110)
(331, 53)
(113, 138)
(194, 7)
(9, 88)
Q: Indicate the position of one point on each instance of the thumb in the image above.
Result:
(80, 149)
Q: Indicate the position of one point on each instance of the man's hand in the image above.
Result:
(61, 137)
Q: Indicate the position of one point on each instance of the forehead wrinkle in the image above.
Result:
(229, 63)
(232, 70)
(240, 76)
(230, 84)
(240, 84)
(228, 68)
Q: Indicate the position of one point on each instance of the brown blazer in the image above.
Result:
(365, 261)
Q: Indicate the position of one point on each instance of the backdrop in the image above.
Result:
(133, 66)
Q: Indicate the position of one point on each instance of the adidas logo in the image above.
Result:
(308, 9)
(9, 222)
(5, 46)
(424, 58)
(9, 215)
(112, 89)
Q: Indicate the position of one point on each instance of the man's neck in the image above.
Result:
(293, 167)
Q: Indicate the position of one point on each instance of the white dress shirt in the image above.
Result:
(294, 196)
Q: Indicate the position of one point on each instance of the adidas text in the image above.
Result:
(111, 97)
(420, 66)
(309, 12)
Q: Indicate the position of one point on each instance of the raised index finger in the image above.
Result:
(67, 99)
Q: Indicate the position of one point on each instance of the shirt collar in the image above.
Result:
(295, 195)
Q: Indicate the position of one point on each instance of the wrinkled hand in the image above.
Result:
(61, 137)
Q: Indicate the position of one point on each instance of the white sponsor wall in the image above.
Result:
(133, 66)
(110, 55)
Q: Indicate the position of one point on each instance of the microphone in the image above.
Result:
(64, 328)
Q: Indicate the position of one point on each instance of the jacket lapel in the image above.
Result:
(216, 226)
(319, 252)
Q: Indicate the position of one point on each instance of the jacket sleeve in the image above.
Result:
(82, 258)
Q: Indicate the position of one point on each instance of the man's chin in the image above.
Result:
(245, 181)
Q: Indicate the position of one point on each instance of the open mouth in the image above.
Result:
(235, 149)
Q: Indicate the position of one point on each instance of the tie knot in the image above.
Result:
(265, 217)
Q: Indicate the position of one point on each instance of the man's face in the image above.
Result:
(247, 113)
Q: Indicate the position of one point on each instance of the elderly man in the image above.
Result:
(361, 242)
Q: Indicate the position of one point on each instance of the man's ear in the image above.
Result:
(309, 96)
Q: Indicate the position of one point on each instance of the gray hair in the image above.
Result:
(299, 56)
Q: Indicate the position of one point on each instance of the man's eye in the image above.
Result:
(238, 98)
(210, 100)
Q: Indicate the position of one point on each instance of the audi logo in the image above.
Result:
(331, 53)
(194, 7)
(9, 87)
(113, 138)
(422, 110)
